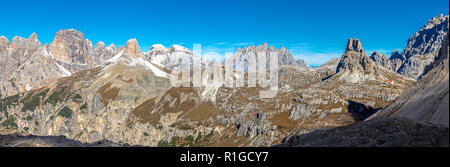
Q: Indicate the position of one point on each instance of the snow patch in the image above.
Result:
(64, 70)
(178, 47)
(155, 70)
(28, 87)
(116, 57)
(158, 47)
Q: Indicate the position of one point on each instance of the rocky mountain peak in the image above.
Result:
(70, 34)
(354, 45)
(423, 46)
(112, 46)
(301, 63)
(19, 42)
(4, 42)
(396, 55)
(427, 99)
(284, 57)
(179, 48)
(132, 48)
(355, 65)
(33, 37)
(100, 44)
(158, 47)
(381, 59)
(263, 47)
(169, 58)
(69, 46)
(436, 21)
(355, 58)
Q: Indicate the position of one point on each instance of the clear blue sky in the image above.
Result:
(311, 30)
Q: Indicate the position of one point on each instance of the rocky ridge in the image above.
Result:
(26, 64)
(427, 99)
(249, 55)
(421, 50)
(124, 96)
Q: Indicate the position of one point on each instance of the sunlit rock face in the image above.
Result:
(423, 46)
(69, 46)
(132, 48)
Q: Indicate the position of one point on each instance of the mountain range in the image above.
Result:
(124, 96)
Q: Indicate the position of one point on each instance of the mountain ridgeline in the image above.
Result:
(72, 93)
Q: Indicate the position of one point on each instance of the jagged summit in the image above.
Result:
(396, 55)
(396, 60)
(4, 43)
(69, 46)
(354, 45)
(100, 44)
(30, 65)
(381, 59)
(33, 37)
(22, 43)
(285, 58)
(132, 48)
(355, 66)
(169, 58)
(428, 99)
(421, 50)
(424, 46)
(355, 59)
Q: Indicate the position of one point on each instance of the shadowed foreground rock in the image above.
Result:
(398, 132)
(13, 140)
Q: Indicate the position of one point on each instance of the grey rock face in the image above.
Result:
(396, 60)
(381, 59)
(302, 111)
(423, 46)
(428, 99)
(355, 66)
(246, 55)
(301, 63)
(100, 53)
(355, 59)
(26, 64)
(4, 43)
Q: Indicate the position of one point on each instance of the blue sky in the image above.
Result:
(315, 31)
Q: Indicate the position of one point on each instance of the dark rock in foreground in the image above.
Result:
(391, 132)
(13, 140)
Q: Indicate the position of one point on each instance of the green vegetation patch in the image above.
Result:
(181, 126)
(8, 101)
(65, 112)
(83, 107)
(163, 144)
(32, 101)
(10, 123)
(59, 95)
(188, 141)
(77, 98)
